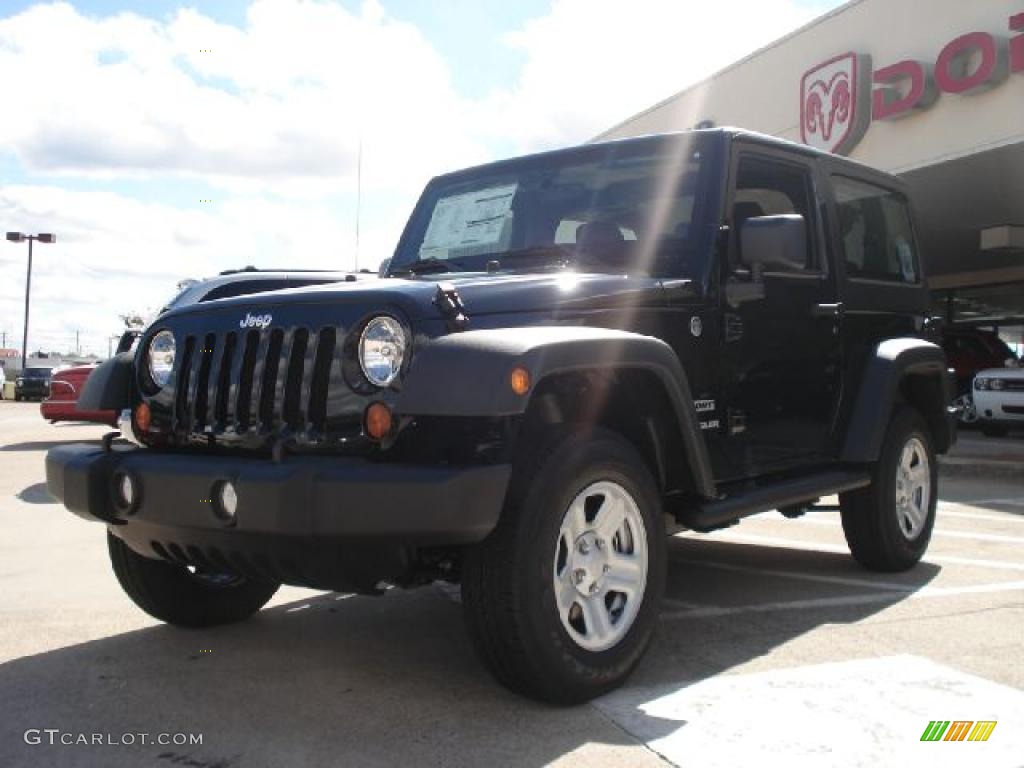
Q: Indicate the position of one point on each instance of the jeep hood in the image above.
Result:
(481, 295)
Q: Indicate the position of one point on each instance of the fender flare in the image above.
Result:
(467, 374)
(109, 386)
(885, 372)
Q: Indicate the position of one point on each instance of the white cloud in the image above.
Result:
(592, 63)
(285, 98)
(270, 115)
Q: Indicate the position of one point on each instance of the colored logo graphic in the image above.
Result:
(959, 730)
(833, 116)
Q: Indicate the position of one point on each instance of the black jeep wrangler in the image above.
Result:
(569, 353)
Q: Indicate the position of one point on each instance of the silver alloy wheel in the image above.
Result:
(913, 488)
(966, 411)
(600, 568)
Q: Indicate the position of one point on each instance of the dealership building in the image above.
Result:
(932, 91)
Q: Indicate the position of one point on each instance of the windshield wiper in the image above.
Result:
(537, 252)
(423, 266)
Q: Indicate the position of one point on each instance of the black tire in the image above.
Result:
(17, 398)
(871, 522)
(175, 595)
(994, 430)
(508, 580)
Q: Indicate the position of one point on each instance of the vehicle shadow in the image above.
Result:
(331, 679)
(43, 445)
(36, 494)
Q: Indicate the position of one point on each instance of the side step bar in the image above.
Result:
(715, 514)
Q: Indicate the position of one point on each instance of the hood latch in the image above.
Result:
(451, 308)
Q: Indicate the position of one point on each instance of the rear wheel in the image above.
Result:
(183, 596)
(889, 523)
(562, 598)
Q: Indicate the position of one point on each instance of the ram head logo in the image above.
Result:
(834, 108)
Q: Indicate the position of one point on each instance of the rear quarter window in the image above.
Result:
(876, 232)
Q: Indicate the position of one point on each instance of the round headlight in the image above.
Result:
(998, 384)
(160, 358)
(980, 383)
(381, 350)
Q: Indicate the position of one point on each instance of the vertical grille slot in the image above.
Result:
(181, 389)
(201, 397)
(222, 379)
(252, 340)
(268, 381)
(317, 414)
(293, 382)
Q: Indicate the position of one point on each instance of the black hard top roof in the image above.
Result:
(723, 134)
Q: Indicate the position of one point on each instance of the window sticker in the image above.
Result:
(906, 260)
(468, 220)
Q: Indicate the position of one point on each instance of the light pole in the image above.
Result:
(18, 237)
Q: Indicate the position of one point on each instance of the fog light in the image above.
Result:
(126, 492)
(227, 501)
(378, 421)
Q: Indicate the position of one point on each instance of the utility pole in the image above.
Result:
(19, 237)
(359, 195)
(28, 290)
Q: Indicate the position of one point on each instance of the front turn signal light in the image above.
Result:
(520, 381)
(143, 418)
(378, 421)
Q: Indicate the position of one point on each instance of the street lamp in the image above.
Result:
(20, 237)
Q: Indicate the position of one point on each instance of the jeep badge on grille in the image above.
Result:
(255, 321)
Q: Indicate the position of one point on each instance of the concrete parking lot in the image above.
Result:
(772, 643)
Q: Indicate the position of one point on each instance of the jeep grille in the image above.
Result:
(269, 380)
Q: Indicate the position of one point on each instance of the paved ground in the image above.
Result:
(772, 643)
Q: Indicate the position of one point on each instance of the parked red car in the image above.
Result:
(65, 387)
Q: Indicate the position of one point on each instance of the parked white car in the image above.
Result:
(999, 399)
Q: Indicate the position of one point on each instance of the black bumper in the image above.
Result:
(320, 521)
(32, 389)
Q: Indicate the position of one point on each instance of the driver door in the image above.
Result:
(781, 328)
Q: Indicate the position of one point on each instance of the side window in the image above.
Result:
(769, 188)
(876, 232)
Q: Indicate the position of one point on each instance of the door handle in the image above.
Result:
(827, 310)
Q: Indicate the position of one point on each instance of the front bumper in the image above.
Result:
(319, 521)
(32, 389)
(1001, 407)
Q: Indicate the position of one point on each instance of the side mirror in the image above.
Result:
(382, 270)
(779, 242)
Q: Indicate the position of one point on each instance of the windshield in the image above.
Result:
(36, 373)
(618, 207)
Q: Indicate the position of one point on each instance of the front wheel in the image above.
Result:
(179, 595)
(562, 598)
(889, 523)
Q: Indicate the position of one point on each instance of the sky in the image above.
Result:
(162, 140)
